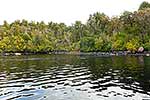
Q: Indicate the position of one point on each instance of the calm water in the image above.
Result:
(68, 77)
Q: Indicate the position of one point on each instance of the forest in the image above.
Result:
(126, 32)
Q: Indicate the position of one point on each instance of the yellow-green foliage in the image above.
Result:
(5, 44)
(118, 41)
(75, 46)
(133, 45)
(18, 43)
(100, 33)
(118, 45)
(98, 43)
(12, 43)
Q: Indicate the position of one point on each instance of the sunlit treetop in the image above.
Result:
(144, 5)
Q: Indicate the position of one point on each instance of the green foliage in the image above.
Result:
(118, 45)
(144, 5)
(100, 33)
(87, 44)
(147, 46)
(98, 23)
(133, 45)
(118, 41)
(99, 44)
(5, 44)
(107, 43)
(18, 43)
(75, 46)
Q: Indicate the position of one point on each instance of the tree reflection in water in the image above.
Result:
(125, 76)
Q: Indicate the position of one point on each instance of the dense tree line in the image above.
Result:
(129, 31)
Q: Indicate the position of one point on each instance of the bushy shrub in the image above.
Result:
(103, 43)
(147, 45)
(5, 44)
(118, 41)
(133, 45)
(99, 44)
(87, 44)
(75, 46)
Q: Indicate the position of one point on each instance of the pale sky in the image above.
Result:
(67, 11)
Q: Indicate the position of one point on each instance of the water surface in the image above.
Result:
(71, 77)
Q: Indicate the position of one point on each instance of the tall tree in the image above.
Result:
(144, 5)
(98, 23)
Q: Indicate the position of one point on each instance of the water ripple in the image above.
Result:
(71, 77)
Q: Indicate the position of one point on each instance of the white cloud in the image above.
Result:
(66, 11)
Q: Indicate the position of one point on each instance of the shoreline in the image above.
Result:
(114, 53)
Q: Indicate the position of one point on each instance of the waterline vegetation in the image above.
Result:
(127, 32)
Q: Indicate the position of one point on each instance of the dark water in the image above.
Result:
(68, 77)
